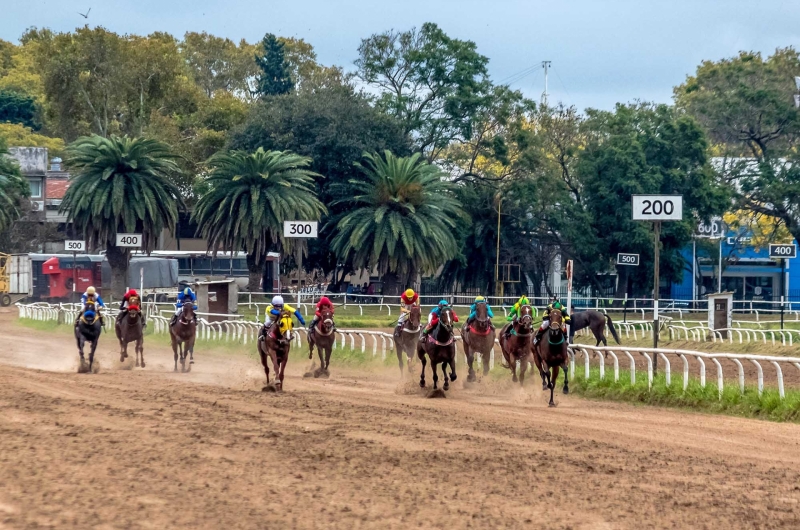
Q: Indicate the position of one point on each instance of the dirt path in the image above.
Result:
(152, 449)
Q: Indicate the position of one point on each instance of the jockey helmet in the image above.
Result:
(479, 299)
(277, 301)
(409, 293)
(557, 305)
(90, 290)
(443, 302)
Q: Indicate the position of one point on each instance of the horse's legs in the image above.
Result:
(565, 367)
(140, 352)
(398, 348)
(328, 352)
(470, 360)
(446, 385)
(190, 345)
(264, 362)
(452, 363)
(537, 359)
(310, 346)
(435, 375)
(512, 362)
(273, 356)
(523, 367)
(552, 385)
(175, 350)
(283, 364)
(421, 355)
(91, 351)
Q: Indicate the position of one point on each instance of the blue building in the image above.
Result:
(746, 271)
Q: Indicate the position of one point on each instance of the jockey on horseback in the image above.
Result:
(474, 308)
(433, 317)
(546, 318)
(274, 312)
(408, 300)
(324, 303)
(514, 313)
(184, 294)
(91, 296)
(124, 306)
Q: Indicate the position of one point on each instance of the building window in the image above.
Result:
(36, 187)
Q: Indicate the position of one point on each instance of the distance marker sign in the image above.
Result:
(75, 246)
(300, 229)
(783, 251)
(129, 240)
(628, 259)
(657, 207)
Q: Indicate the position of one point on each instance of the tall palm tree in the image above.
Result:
(121, 185)
(12, 188)
(403, 219)
(250, 196)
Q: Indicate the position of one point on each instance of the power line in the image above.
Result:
(514, 78)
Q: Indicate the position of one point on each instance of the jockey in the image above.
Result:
(474, 308)
(408, 300)
(546, 319)
(124, 305)
(433, 317)
(185, 293)
(91, 296)
(324, 303)
(274, 311)
(514, 313)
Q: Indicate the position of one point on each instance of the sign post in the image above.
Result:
(75, 247)
(656, 208)
(297, 230)
(783, 252)
(569, 292)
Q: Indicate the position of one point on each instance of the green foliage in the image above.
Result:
(17, 135)
(274, 78)
(251, 195)
(13, 188)
(401, 219)
(18, 108)
(432, 83)
(218, 64)
(121, 185)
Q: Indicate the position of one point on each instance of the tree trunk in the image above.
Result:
(391, 284)
(118, 259)
(255, 269)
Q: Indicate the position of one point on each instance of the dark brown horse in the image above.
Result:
(478, 337)
(276, 344)
(516, 345)
(87, 329)
(182, 333)
(322, 336)
(551, 354)
(594, 320)
(130, 328)
(440, 347)
(406, 336)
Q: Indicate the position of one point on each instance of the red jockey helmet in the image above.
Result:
(131, 292)
(325, 301)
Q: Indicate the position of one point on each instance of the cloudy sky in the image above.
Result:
(602, 51)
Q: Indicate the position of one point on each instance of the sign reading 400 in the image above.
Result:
(300, 229)
(129, 240)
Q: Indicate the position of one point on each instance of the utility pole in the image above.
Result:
(545, 65)
(498, 289)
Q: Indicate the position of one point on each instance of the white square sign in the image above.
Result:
(129, 240)
(657, 207)
(299, 229)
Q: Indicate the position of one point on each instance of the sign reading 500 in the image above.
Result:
(129, 240)
(299, 229)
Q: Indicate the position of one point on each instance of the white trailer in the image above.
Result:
(20, 275)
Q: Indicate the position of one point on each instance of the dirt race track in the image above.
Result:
(152, 449)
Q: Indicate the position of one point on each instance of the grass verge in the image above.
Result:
(768, 406)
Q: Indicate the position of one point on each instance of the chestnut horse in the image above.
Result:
(130, 328)
(478, 338)
(276, 344)
(551, 354)
(183, 333)
(322, 336)
(407, 336)
(516, 346)
(440, 346)
(87, 330)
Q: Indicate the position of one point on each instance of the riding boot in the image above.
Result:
(538, 337)
(173, 320)
(313, 323)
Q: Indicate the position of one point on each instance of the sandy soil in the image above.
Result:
(363, 449)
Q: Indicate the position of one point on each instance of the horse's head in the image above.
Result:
(446, 318)
(327, 320)
(89, 306)
(134, 312)
(525, 317)
(89, 315)
(414, 317)
(556, 320)
(188, 310)
(284, 327)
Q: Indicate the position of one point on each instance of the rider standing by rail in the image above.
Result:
(408, 300)
(91, 296)
(555, 305)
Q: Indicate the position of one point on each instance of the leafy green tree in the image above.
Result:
(333, 125)
(121, 185)
(249, 197)
(18, 108)
(746, 104)
(274, 78)
(432, 83)
(219, 64)
(400, 221)
(13, 188)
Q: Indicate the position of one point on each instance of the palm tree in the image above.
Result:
(250, 196)
(121, 185)
(403, 219)
(12, 189)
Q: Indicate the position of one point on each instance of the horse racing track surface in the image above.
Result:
(152, 449)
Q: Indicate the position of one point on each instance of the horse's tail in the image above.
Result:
(612, 329)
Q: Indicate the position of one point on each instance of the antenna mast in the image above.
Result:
(545, 65)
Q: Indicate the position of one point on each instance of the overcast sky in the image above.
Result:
(602, 52)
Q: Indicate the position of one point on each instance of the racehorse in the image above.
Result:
(478, 338)
(516, 346)
(594, 320)
(407, 336)
(183, 335)
(88, 329)
(322, 336)
(129, 328)
(276, 344)
(440, 346)
(551, 354)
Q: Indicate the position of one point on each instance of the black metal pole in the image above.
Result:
(656, 272)
(783, 287)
